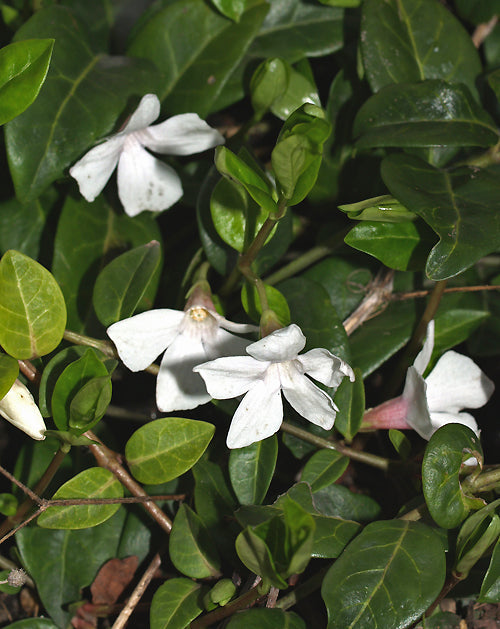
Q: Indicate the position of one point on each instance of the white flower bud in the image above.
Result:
(18, 407)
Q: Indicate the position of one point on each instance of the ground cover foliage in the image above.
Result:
(334, 221)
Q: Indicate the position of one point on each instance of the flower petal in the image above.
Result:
(146, 113)
(424, 356)
(231, 376)
(145, 183)
(280, 345)
(184, 134)
(19, 408)
(323, 366)
(440, 419)
(259, 414)
(418, 416)
(306, 398)
(456, 382)
(239, 328)
(224, 344)
(96, 167)
(142, 338)
(177, 387)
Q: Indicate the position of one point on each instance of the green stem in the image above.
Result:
(242, 602)
(363, 457)
(483, 482)
(303, 590)
(80, 339)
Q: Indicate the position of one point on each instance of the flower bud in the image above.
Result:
(18, 407)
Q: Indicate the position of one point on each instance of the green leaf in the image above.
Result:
(23, 68)
(477, 534)
(231, 8)
(459, 205)
(32, 309)
(251, 470)
(77, 374)
(194, 70)
(175, 604)
(400, 246)
(34, 623)
(93, 483)
(9, 370)
(384, 208)
(292, 158)
(387, 577)
(490, 589)
(8, 504)
(212, 497)
(446, 451)
(88, 235)
(90, 403)
(338, 501)
(191, 549)
(350, 399)
(458, 316)
(83, 94)
(268, 84)
(166, 448)
(413, 40)
(266, 619)
(400, 442)
(122, 284)
(255, 554)
(299, 90)
(429, 113)
(323, 469)
(252, 306)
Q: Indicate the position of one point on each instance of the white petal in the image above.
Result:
(177, 387)
(142, 338)
(259, 414)
(306, 398)
(280, 345)
(440, 419)
(145, 183)
(146, 113)
(456, 382)
(19, 408)
(424, 356)
(239, 328)
(184, 134)
(418, 416)
(232, 376)
(323, 366)
(224, 344)
(96, 167)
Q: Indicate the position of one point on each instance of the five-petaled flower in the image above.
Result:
(190, 337)
(144, 182)
(19, 408)
(455, 383)
(273, 365)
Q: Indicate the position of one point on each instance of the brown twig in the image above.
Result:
(483, 30)
(378, 295)
(453, 289)
(29, 370)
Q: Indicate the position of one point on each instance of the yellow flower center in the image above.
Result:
(198, 313)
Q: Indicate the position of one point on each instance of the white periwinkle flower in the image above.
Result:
(144, 182)
(455, 383)
(19, 408)
(273, 365)
(190, 337)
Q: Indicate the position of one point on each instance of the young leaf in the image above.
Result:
(166, 448)
(384, 208)
(90, 403)
(231, 8)
(300, 89)
(175, 604)
(268, 84)
(251, 470)
(23, 68)
(95, 482)
(252, 306)
(32, 308)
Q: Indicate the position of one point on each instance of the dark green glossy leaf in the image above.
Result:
(166, 448)
(230, 8)
(269, 83)
(350, 398)
(445, 453)
(175, 604)
(70, 382)
(413, 40)
(212, 496)
(386, 577)
(459, 205)
(251, 470)
(88, 235)
(323, 469)
(190, 547)
(83, 94)
(9, 370)
(255, 554)
(276, 302)
(96, 483)
(266, 619)
(196, 50)
(458, 316)
(429, 113)
(24, 66)
(90, 403)
(122, 284)
(32, 309)
(400, 246)
(338, 501)
(490, 589)
(299, 90)
(384, 208)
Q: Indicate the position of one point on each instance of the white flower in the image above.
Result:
(144, 183)
(455, 383)
(273, 365)
(19, 408)
(189, 337)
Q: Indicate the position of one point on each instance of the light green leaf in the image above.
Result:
(251, 470)
(90, 403)
(9, 370)
(384, 208)
(268, 84)
(175, 604)
(231, 8)
(252, 306)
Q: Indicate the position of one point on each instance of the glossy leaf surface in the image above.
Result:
(251, 470)
(175, 604)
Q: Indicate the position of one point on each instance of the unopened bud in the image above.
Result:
(19, 408)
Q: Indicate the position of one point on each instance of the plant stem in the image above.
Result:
(242, 602)
(485, 481)
(303, 590)
(453, 289)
